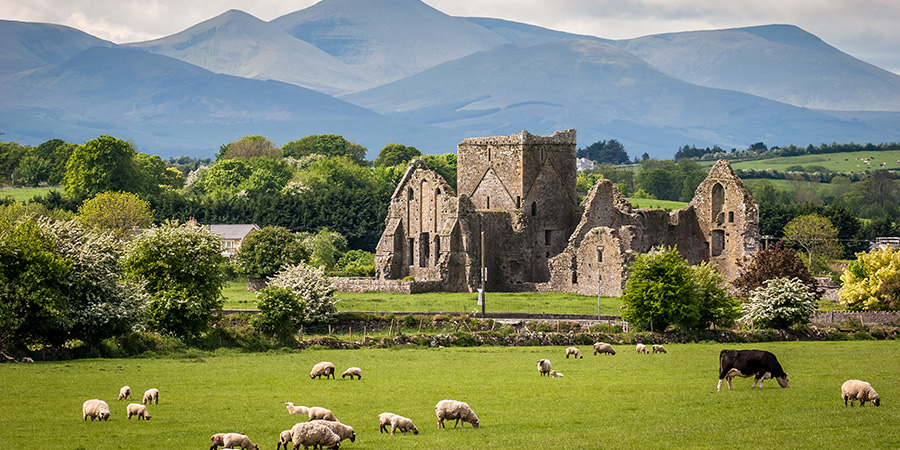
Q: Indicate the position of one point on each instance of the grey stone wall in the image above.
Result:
(371, 284)
(836, 318)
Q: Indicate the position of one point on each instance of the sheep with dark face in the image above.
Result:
(574, 352)
(139, 410)
(352, 372)
(403, 424)
(452, 409)
(124, 392)
(859, 390)
(659, 349)
(603, 347)
(95, 409)
(641, 348)
(151, 395)
(544, 367)
(321, 369)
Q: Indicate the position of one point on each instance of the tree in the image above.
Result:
(181, 268)
(225, 176)
(249, 147)
(610, 152)
(771, 263)
(120, 213)
(57, 153)
(394, 154)
(265, 252)
(816, 235)
(11, 155)
(33, 170)
(660, 291)
(713, 302)
(872, 282)
(311, 286)
(324, 247)
(281, 311)
(102, 164)
(327, 145)
(779, 304)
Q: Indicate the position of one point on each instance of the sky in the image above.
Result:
(865, 29)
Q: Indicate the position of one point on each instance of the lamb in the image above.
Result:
(323, 368)
(151, 395)
(403, 424)
(641, 348)
(384, 419)
(573, 351)
(95, 409)
(452, 409)
(124, 392)
(659, 349)
(318, 413)
(295, 409)
(556, 374)
(237, 440)
(859, 390)
(137, 409)
(283, 440)
(351, 372)
(544, 367)
(603, 347)
(312, 434)
(219, 439)
(343, 431)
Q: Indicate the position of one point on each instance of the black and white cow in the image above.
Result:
(759, 364)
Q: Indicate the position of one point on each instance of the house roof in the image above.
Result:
(237, 231)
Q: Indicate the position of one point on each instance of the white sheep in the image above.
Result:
(314, 434)
(95, 409)
(603, 347)
(351, 372)
(641, 348)
(323, 368)
(283, 439)
(343, 431)
(219, 439)
(151, 395)
(318, 413)
(659, 349)
(574, 352)
(124, 392)
(237, 440)
(556, 374)
(384, 419)
(452, 409)
(544, 367)
(403, 424)
(295, 409)
(137, 409)
(27, 360)
(859, 390)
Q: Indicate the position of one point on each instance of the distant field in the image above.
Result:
(21, 194)
(656, 204)
(837, 162)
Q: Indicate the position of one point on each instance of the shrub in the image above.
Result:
(311, 286)
(779, 304)
(660, 291)
(771, 263)
(872, 281)
(280, 311)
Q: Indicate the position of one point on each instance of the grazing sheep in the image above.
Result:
(641, 348)
(403, 424)
(603, 347)
(219, 439)
(95, 409)
(27, 360)
(659, 349)
(556, 374)
(317, 413)
(351, 372)
(544, 367)
(343, 431)
(283, 439)
(314, 434)
(296, 409)
(323, 368)
(137, 409)
(237, 440)
(573, 351)
(384, 419)
(151, 395)
(124, 392)
(452, 409)
(859, 390)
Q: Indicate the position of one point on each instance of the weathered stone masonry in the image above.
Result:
(519, 192)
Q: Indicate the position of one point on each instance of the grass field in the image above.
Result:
(21, 194)
(668, 205)
(626, 401)
(837, 162)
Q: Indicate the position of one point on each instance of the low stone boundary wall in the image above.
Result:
(831, 318)
(372, 284)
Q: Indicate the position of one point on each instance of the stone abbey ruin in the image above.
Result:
(517, 207)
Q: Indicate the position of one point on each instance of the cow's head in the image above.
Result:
(782, 381)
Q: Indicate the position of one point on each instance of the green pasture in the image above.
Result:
(650, 203)
(836, 162)
(625, 401)
(22, 194)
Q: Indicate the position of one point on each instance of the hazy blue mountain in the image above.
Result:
(26, 46)
(525, 34)
(236, 43)
(389, 38)
(779, 62)
(604, 92)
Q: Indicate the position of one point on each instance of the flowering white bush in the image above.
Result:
(312, 286)
(779, 304)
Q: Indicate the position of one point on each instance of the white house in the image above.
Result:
(232, 236)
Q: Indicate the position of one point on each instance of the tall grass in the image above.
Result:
(621, 401)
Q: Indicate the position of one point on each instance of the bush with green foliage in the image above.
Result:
(771, 263)
(281, 312)
(312, 287)
(355, 263)
(715, 306)
(119, 213)
(660, 291)
(265, 252)
(780, 304)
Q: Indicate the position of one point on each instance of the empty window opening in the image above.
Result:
(533, 209)
(409, 193)
(718, 242)
(574, 277)
(411, 245)
(546, 237)
(731, 216)
(488, 202)
(424, 250)
(437, 249)
(489, 153)
(599, 255)
(518, 201)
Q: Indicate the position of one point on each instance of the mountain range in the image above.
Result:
(401, 71)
